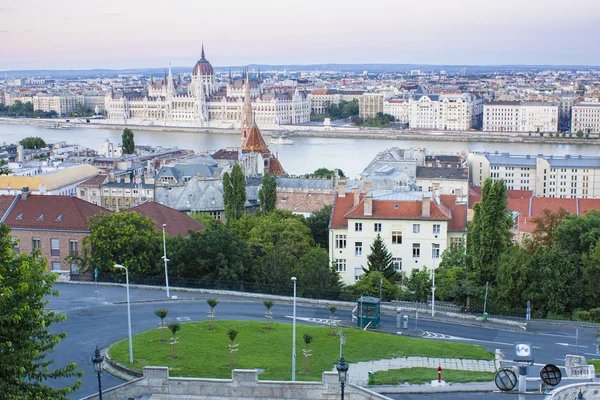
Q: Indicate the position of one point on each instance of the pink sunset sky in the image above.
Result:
(82, 34)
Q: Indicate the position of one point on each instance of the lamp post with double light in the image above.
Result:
(98, 360)
(119, 266)
(342, 369)
(166, 260)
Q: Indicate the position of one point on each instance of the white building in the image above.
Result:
(62, 105)
(445, 111)
(415, 228)
(205, 104)
(370, 104)
(320, 99)
(398, 108)
(585, 117)
(520, 116)
(547, 176)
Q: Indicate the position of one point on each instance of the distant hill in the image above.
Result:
(342, 68)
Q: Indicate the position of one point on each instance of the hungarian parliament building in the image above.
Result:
(206, 103)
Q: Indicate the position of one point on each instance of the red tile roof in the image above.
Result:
(458, 223)
(5, 202)
(178, 223)
(275, 167)
(94, 181)
(255, 143)
(586, 205)
(52, 213)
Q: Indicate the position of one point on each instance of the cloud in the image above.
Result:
(112, 14)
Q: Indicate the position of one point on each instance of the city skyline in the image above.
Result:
(79, 35)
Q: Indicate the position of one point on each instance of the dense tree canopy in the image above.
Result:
(268, 193)
(127, 141)
(27, 337)
(318, 223)
(33, 143)
(234, 193)
(20, 109)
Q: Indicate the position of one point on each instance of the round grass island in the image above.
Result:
(205, 353)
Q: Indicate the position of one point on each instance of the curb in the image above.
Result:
(119, 370)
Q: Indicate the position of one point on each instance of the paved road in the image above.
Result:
(99, 319)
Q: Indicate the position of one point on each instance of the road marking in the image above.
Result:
(323, 321)
(85, 307)
(572, 345)
(434, 335)
(181, 319)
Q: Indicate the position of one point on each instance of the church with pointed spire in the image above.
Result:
(205, 100)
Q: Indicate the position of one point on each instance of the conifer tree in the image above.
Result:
(234, 192)
(127, 142)
(268, 193)
(380, 259)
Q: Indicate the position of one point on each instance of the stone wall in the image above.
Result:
(590, 391)
(243, 385)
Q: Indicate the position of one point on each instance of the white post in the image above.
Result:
(294, 334)
(433, 290)
(128, 312)
(166, 260)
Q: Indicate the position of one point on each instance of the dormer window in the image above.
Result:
(20, 217)
(41, 217)
(59, 218)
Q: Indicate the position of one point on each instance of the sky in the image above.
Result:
(83, 34)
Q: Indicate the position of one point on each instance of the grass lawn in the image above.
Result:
(595, 363)
(417, 376)
(319, 117)
(205, 353)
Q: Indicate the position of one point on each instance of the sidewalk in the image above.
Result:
(427, 388)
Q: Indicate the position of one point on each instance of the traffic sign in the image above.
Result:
(550, 374)
(505, 379)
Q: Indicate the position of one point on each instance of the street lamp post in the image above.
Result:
(294, 334)
(98, 359)
(342, 369)
(433, 290)
(128, 311)
(166, 260)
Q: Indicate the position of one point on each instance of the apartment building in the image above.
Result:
(370, 104)
(449, 111)
(520, 116)
(398, 108)
(547, 176)
(415, 228)
(585, 117)
(62, 105)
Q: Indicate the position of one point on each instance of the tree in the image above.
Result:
(369, 284)
(454, 281)
(33, 143)
(327, 173)
(545, 225)
(579, 133)
(591, 277)
(128, 144)
(268, 193)
(27, 332)
(321, 279)
(162, 314)
(318, 223)
(234, 193)
(419, 284)
(380, 259)
(489, 233)
(4, 170)
(122, 238)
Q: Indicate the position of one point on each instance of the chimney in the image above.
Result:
(367, 187)
(368, 205)
(426, 209)
(25, 193)
(341, 189)
(356, 194)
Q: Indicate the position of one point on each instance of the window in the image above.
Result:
(456, 241)
(416, 228)
(74, 268)
(358, 227)
(416, 250)
(357, 273)
(36, 243)
(55, 266)
(436, 229)
(340, 241)
(358, 248)
(377, 227)
(397, 263)
(54, 248)
(435, 250)
(73, 247)
(340, 265)
(396, 237)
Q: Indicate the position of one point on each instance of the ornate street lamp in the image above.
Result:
(98, 360)
(342, 369)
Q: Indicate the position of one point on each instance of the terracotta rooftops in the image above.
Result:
(178, 223)
(254, 142)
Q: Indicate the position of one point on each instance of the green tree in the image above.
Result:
(122, 238)
(33, 143)
(319, 277)
(380, 259)
(489, 233)
(27, 330)
(579, 133)
(127, 141)
(234, 193)
(591, 277)
(578, 233)
(4, 170)
(418, 284)
(162, 314)
(545, 225)
(368, 285)
(268, 193)
(318, 223)
(327, 173)
(454, 281)
(513, 279)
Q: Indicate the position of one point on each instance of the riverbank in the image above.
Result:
(333, 132)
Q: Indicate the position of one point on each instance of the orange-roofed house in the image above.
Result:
(415, 227)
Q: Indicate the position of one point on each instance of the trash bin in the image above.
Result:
(371, 380)
(405, 321)
(485, 316)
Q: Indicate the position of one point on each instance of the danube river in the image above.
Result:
(351, 155)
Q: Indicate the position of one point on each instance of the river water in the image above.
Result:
(351, 155)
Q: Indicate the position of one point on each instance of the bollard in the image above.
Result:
(439, 370)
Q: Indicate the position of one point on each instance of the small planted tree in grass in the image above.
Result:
(332, 310)
(268, 314)
(307, 352)
(232, 334)
(174, 327)
(212, 303)
(162, 314)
